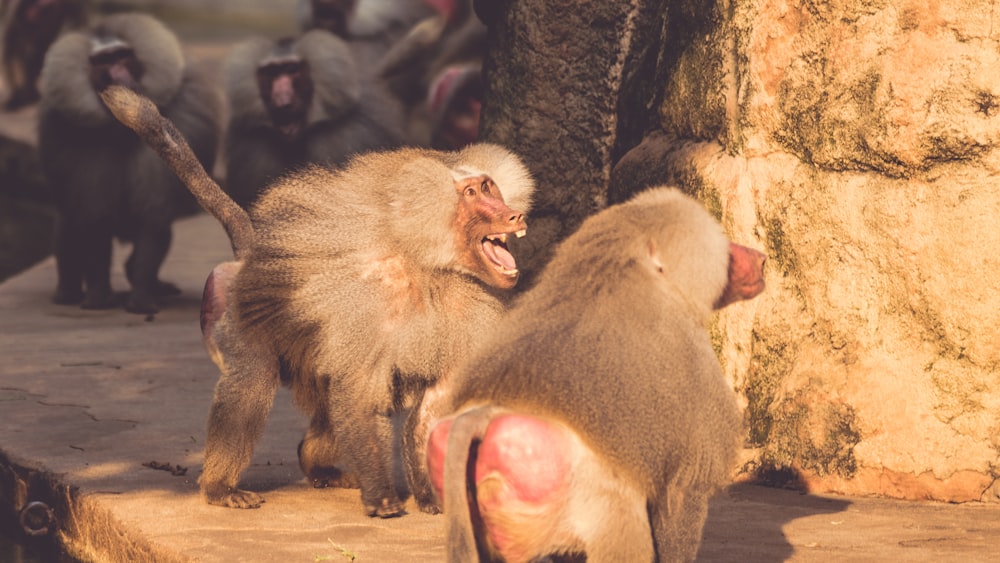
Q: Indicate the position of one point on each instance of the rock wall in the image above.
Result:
(856, 141)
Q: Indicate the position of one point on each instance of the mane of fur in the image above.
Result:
(154, 45)
(337, 88)
(332, 67)
(372, 17)
(506, 169)
(244, 98)
(325, 232)
(419, 218)
(381, 205)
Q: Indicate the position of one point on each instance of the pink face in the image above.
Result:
(286, 89)
(482, 224)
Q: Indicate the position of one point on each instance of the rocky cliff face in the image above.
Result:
(857, 142)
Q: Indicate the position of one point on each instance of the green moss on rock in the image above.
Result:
(772, 361)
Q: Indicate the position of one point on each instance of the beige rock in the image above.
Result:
(862, 154)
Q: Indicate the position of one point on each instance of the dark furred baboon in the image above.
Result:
(300, 101)
(29, 28)
(597, 420)
(106, 182)
(361, 288)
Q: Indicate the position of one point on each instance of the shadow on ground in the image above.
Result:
(746, 522)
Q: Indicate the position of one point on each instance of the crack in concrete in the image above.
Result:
(45, 404)
(93, 417)
(96, 363)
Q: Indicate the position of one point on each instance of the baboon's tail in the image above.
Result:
(139, 114)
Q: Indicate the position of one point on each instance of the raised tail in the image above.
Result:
(139, 114)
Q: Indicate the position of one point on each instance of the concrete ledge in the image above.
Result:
(89, 397)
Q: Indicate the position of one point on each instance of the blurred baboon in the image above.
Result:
(367, 21)
(436, 71)
(29, 28)
(300, 101)
(106, 182)
(427, 52)
(360, 288)
(597, 421)
(331, 15)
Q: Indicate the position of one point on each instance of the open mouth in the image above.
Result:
(495, 250)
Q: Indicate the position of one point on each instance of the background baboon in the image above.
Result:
(105, 181)
(29, 28)
(360, 288)
(299, 101)
(331, 15)
(598, 419)
(375, 22)
(436, 71)
(427, 52)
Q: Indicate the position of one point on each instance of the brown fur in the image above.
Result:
(620, 371)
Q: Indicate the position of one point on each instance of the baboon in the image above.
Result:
(370, 27)
(331, 15)
(29, 28)
(105, 181)
(436, 71)
(368, 21)
(300, 101)
(361, 288)
(428, 53)
(597, 420)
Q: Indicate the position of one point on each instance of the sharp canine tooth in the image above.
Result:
(521, 233)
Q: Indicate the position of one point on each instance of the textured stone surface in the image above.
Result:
(856, 142)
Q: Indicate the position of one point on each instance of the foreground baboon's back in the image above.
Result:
(600, 336)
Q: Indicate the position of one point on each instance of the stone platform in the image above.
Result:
(102, 417)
